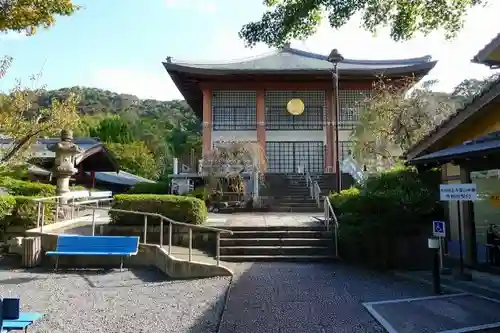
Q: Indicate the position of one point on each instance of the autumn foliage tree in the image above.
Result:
(298, 19)
(396, 116)
(27, 15)
(224, 165)
(23, 121)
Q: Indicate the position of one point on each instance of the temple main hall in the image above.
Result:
(247, 101)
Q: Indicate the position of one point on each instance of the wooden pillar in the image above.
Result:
(207, 120)
(329, 127)
(261, 119)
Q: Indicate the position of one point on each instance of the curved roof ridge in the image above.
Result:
(426, 58)
(234, 61)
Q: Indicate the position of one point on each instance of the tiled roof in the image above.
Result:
(482, 55)
(298, 61)
(479, 146)
(122, 178)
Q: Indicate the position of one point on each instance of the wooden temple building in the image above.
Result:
(247, 100)
(97, 166)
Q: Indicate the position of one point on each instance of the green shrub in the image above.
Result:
(24, 213)
(389, 207)
(32, 189)
(200, 193)
(7, 204)
(178, 208)
(27, 188)
(150, 188)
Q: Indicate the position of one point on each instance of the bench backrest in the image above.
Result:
(117, 244)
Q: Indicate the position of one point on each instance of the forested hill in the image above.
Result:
(145, 134)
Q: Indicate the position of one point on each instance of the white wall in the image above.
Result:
(344, 135)
(295, 136)
(234, 136)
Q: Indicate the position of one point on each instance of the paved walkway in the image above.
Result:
(313, 298)
(262, 219)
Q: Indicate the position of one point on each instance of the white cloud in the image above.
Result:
(205, 6)
(156, 85)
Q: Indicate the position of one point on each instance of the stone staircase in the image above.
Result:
(280, 243)
(288, 193)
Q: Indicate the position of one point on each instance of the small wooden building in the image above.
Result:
(467, 148)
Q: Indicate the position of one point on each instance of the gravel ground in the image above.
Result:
(264, 297)
(128, 301)
(309, 298)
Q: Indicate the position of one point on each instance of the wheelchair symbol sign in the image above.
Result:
(438, 228)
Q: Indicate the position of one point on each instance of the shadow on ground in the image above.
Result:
(296, 297)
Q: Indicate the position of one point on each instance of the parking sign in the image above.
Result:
(439, 228)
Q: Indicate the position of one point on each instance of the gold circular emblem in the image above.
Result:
(295, 106)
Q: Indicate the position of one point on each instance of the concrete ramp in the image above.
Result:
(178, 268)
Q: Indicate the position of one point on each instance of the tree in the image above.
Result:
(299, 19)
(23, 120)
(27, 15)
(113, 129)
(470, 88)
(395, 117)
(225, 163)
(135, 158)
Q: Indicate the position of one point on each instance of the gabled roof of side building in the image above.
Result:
(489, 55)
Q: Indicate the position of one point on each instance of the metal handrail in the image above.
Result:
(171, 223)
(162, 218)
(309, 182)
(330, 213)
(317, 193)
(57, 200)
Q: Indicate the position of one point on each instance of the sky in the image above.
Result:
(119, 44)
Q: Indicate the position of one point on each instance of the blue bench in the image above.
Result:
(25, 320)
(68, 245)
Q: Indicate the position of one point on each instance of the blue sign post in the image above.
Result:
(439, 229)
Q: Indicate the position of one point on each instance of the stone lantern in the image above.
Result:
(64, 166)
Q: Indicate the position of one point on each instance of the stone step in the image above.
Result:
(276, 241)
(275, 250)
(285, 202)
(289, 209)
(281, 258)
(291, 228)
(296, 203)
(280, 234)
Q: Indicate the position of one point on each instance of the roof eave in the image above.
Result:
(421, 69)
(459, 117)
(482, 56)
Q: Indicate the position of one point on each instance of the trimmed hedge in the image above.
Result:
(178, 208)
(7, 204)
(31, 189)
(22, 211)
(150, 188)
(27, 188)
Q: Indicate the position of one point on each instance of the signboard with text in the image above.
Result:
(458, 192)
